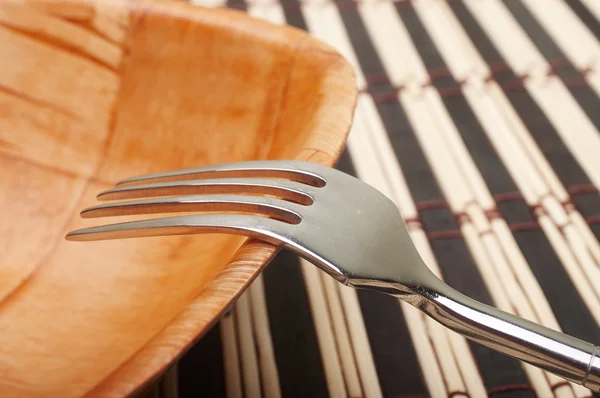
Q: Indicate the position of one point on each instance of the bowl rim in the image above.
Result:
(205, 310)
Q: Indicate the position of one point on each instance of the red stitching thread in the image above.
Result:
(538, 210)
(458, 393)
(413, 223)
(510, 85)
(451, 234)
(508, 196)
(439, 204)
(462, 217)
(580, 189)
(384, 98)
(456, 233)
(495, 68)
(431, 204)
(513, 85)
(572, 191)
(562, 227)
(559, 385)
(410, 396)
(526, 226)
(492, 214)
(486, 232)
(519, 227)
(510, 387)
(592, 220)
(568, 205)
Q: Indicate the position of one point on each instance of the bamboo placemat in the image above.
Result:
(480, 119)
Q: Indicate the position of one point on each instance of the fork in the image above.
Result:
(346, 228)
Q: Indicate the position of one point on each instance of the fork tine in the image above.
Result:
(266, 229)
(273, 207)
(291, 170)
(289, 190)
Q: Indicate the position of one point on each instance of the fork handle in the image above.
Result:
(559, 353)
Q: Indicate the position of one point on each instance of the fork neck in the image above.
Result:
(564, 355)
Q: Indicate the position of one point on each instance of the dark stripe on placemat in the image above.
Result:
(293, 333)
(153, 392)
(395, 358)
(236, 4)
(585, 96)
(588, 204)
(585, 16)
(393, 351)
(453, 256)
(345, 164)
(570, 310)
(201, 368)
(293, 14)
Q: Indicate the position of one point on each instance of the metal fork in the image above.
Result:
(345, 227)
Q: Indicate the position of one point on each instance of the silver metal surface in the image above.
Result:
(345, 227)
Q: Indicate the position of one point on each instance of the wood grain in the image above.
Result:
(92, 92)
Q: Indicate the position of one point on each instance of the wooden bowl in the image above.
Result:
(92, 92)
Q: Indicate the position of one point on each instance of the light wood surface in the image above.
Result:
(92, 92)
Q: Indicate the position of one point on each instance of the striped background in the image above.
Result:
(480, 119)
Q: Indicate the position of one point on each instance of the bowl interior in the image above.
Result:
(92, 92)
